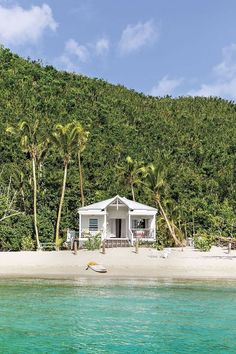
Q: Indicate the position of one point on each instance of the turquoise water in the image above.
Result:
(72, 317)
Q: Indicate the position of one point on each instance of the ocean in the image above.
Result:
(42, 316)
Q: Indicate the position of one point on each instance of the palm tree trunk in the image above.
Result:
(172, 232)
(61, 205)
(35, 202)
(132, 190)
(81, 179)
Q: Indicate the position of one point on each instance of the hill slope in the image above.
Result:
(193, 138)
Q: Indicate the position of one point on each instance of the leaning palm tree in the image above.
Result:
(155, 183)
(64, 138)
(81, 140)
(28, 133)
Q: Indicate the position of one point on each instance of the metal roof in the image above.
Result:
(132, 205)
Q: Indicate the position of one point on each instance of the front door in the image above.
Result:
(118, 227)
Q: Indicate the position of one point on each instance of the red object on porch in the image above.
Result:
(139, 233)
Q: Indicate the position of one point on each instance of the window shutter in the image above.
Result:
(93, 224)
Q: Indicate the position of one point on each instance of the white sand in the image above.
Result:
(122, 263)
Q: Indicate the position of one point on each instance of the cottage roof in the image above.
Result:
(132, 205)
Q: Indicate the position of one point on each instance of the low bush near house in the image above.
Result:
(93, 242)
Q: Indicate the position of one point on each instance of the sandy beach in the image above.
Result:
(122, 263)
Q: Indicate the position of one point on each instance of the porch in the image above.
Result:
(117, 229)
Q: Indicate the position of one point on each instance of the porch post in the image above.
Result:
(154, 229)
(130, 232)
(105, 226)
(80, 226)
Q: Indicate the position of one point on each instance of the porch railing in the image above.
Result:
(143, 233)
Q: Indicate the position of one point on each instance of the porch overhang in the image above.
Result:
(92, 212)
(142, 212)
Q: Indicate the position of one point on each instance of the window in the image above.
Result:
(139, 224)
(93, 224)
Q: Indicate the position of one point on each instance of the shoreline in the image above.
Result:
(123, 264)
(114, 279)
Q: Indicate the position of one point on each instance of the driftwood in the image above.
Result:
(226, 241)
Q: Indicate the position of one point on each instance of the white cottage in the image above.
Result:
(118, 219)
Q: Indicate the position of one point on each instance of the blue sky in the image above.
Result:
(158, 47)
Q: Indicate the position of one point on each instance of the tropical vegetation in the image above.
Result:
(67, 140)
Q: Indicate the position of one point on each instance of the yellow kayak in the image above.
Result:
(96, 267)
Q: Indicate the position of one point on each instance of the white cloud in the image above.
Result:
(227, 68)
(80, 51)
(224, 77)
(75, 54)
(102, 46)
(67, 64)
(19, 26)
(137, 36)
(165, 86)
(221, 89)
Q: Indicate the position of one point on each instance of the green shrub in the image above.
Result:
(27, 244)
(59, 243)
(203, 241)
(13, 230)
(145, 243)
(159, 247)
(8, 239)
(46, 221)
(93, 242)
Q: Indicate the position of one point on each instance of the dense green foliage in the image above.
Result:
(203, 242)
(93, 242)
(193, 139)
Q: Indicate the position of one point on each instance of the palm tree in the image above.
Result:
(81, 137)
(30, 143)
(64, 137)
(131, 173)
(155, 183)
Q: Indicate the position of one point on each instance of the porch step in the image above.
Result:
(117, 242)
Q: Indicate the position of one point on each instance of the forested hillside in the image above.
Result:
(192, 141)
